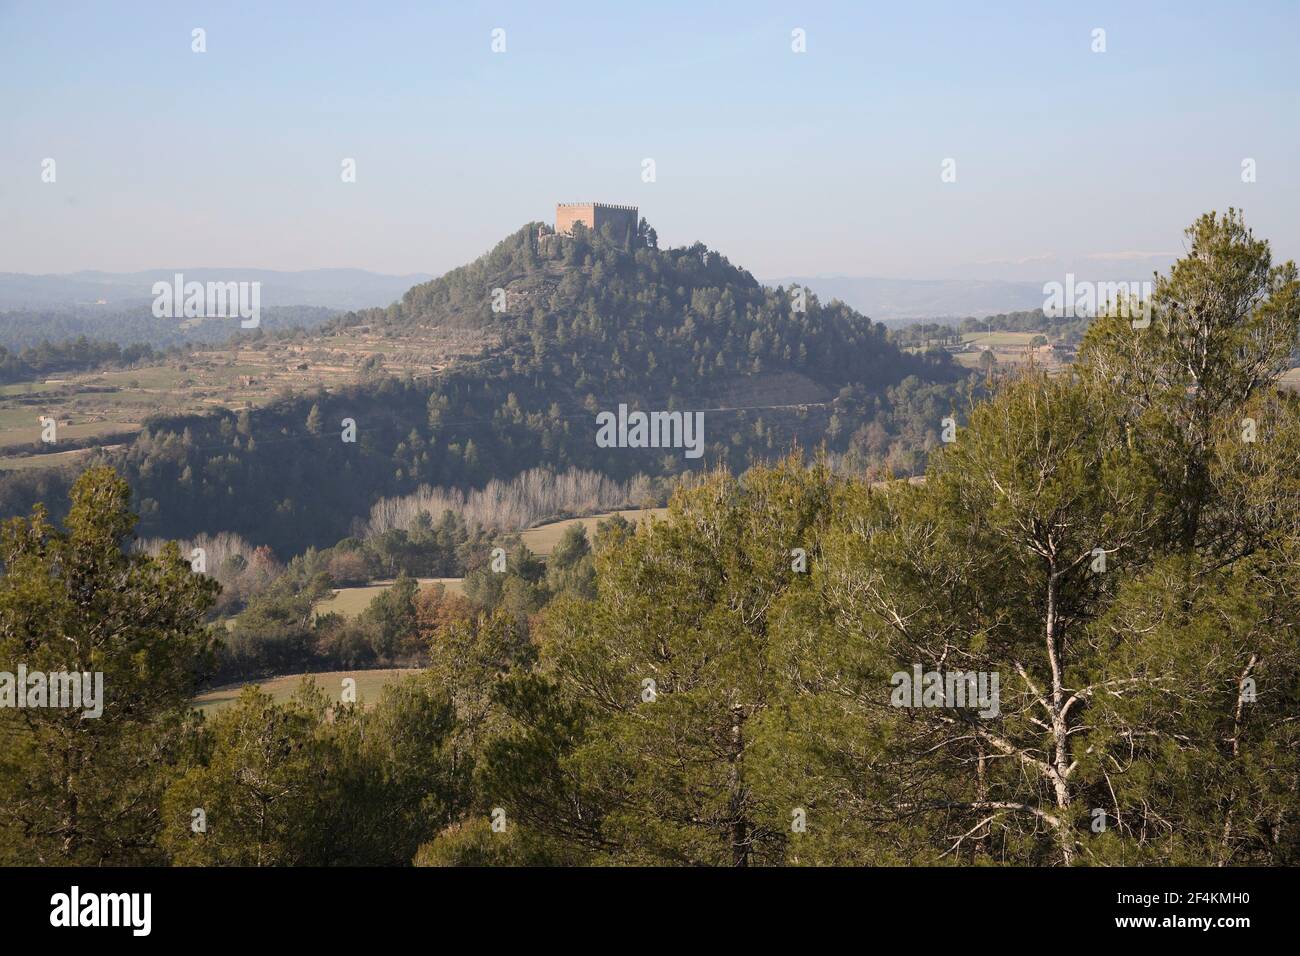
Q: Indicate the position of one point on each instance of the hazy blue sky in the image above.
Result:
(816, 163)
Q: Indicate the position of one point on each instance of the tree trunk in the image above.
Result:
(736, 804)
(1060, 729)
(71, 805)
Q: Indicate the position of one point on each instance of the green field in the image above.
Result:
(14, 433)
(349, 602)
(369, 685)
(543, 539)
(16, 463)
(29, 388)
(1002, 339)
(154, 376)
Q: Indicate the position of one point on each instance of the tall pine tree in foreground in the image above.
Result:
(76, 789)
(1119, 546)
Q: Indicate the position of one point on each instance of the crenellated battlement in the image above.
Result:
(602, 205)
(622, 220)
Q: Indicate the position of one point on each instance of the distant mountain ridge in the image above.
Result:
(893, 301)
(340, 289)
(898, 301)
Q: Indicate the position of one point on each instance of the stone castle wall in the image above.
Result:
(622, 220)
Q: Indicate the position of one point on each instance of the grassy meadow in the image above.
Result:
(349, 602)
(543, 539)
(369, 685)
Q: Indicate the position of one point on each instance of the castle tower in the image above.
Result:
(622, 220)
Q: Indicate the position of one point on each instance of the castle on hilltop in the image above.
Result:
(622, 220)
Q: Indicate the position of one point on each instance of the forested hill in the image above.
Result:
(593, 315)
(580, 325)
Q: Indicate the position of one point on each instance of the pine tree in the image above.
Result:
(76, 789)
